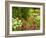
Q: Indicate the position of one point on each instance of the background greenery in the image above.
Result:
(25, 18)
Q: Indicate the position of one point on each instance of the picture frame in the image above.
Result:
(8, 18)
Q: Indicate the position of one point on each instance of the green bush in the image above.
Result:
(23, 13)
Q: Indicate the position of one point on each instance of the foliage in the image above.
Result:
(15, 23)
(25, 13)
